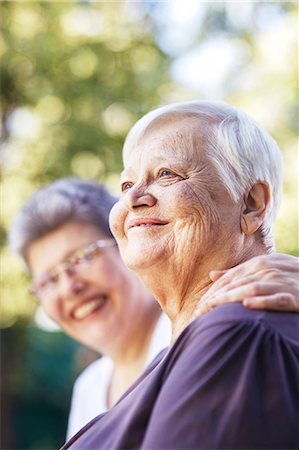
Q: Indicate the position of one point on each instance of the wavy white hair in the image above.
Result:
(240, 149)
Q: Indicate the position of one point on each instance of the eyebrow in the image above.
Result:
(159, 160)
(126, 173)
(83, 247)
(69, 254)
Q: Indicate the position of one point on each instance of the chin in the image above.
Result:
(136, 265)
(138, 259)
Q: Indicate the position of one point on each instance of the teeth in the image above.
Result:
(146, 225)
(87, 308)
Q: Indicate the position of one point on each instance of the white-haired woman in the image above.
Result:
(201, 188)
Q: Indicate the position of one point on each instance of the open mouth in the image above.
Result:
(89, 307)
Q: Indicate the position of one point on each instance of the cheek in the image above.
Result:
(109, 270)
(200, 207)
(101, 273)
(52, 310)
(116, 220)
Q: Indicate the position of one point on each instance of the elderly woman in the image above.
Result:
(63, 236)
(201, 188)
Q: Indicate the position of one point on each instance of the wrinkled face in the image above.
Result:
(96, 306)
(174, 207)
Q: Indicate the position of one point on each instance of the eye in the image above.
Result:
(126, 186)
(53, 279)
(165, 173)
(76, 260)
(41, 285)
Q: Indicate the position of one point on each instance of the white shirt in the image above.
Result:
(89, 398)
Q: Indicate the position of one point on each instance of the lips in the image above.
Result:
(88, 307)
(144, 222)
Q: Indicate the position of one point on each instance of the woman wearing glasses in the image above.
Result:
(62, 234)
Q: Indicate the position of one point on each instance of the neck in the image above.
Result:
(186, 315)
(179, 290)
(178, 296)
(131, 361)
(134, 350)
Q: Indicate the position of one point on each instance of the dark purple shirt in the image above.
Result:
(230, 381)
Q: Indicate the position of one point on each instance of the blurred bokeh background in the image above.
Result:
(75, 76)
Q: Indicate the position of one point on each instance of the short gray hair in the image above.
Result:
(55, 204)
(240, 149)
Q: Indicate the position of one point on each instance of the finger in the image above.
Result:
(220, 289)
(276, 302)
(240, 292)
(279, 261)
(262, 299)
(227, 277)
(225, 294)
(220, 279)
(263, 263)
(223, 278)
(202, 308)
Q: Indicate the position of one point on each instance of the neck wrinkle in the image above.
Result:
(185, 316)
(180, 306)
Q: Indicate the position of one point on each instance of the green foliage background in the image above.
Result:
(80, 95)
(74, 77)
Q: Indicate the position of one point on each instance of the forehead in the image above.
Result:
(54, 247)
(176, 138)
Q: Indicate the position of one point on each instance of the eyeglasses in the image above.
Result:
(47, 285)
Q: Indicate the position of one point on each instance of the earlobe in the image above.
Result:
(256, 203)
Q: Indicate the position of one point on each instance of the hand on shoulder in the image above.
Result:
(269, 282)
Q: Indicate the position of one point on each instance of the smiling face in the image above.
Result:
(96, 306)
(175, 217)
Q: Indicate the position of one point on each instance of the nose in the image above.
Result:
(70, 285)
(138, 196)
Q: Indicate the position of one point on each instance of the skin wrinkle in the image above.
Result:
(194, 232)
(177, 144)
(172, 245)
(195, 208)
(177, 140)
(193, 142)
(209, 222)
(208, 215)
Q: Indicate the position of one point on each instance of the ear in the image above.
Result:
(256, 203)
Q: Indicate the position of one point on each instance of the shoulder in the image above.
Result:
(230, 319)
(229, 378)
(234, 334)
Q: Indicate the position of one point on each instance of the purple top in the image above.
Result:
(230, 381)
